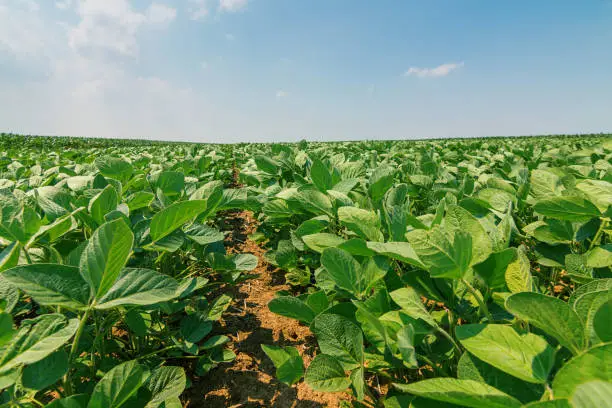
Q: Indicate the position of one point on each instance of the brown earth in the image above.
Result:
(250, 380)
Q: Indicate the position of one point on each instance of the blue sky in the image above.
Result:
(283, 70)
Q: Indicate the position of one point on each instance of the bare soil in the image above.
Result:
(250, 380)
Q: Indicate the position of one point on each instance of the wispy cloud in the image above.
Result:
(281, 94)
(436, 72)
(229, 37)
(232, 6)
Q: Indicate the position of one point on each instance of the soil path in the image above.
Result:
(250, 380)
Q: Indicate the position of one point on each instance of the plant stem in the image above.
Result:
(602, 226)
(449, 337)
(25, 251)
(157, 352)
(73, 350)
(478, 297)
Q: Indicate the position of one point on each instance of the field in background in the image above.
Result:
(440, 273)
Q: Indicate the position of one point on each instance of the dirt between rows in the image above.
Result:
(250, 380)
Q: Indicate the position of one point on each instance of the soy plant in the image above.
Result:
(83, 306)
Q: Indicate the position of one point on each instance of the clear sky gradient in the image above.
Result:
(284, 70)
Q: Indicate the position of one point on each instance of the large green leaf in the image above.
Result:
(114, 167)
(318, 242)
(410, 302)
(364, 223)
(594, 394)
(527, 356)
(345, 271)
(325, 373)
(550, 314)
(6, 328)
(45, 372)
(51, 284)
(103, 203)
(598, 191)
(459, 219)
(288, 363)
(118, 385)
(292, 307)
(174, 216)
(472, 368)
(444, 256)
(9, 256)
(567, 208)
(593, 365)
(401, 251)
(36, 339)
(105, 255)
(165, 383)
(139, 287)
(466, 393)
(340, 338)
(320, 175)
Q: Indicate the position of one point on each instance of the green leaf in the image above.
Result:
(318, 242)
(204, 234)
(459, 219)
(320, 175)
(466, 393)
(118, 385)
(74, 401)
(443, 255)
(139, 287)
(288, 363)
(472, 368)
(115, 168)
(592, 365)
(598, 191)
(292, 307)
(325, 373)
(36, 339)
(594, 394)
(567, 208)
(165, 383)
(401, 251)
(600, 256)
(410, 302)
(587, 305)
(9, 257)
(364, 223)
(103, 203)
(6, 328)
(174, 216)
(266, 164)
(105, 255)
(528, 357)
(406, 346)
(518, 273)
(493, 269)
(195, 327)
(45, 372)
(340, 338)
(601, 322)
(51, 284)
(345, 271)
(550, 314)
(219, 305)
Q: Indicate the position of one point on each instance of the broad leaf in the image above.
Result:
(288, 363)
(51, 284)
(139, 287)
(592, 365)
(292, 307)
(550, 314)
(174, 216)
(340, 338)
(325, 373)
(466, 393)
(118, 385)
(105, 255)
(165, 383)
(567, 208)
(528, 357)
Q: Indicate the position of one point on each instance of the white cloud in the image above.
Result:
(281, 94)
(232, 6)
(113, 24)
(198, 9)
(160, 13)
(63, 4)
(22, 30)
(439, 71)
